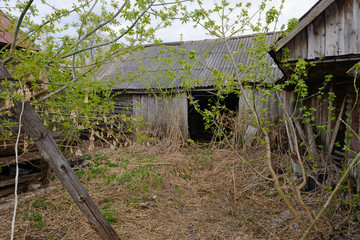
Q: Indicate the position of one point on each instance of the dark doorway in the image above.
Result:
(206, 99)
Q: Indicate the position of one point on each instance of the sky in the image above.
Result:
(292, 9)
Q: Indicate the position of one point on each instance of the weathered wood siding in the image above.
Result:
(335, 32)
(352, 118)
(123, 104)
(163, 112)
(267, 106)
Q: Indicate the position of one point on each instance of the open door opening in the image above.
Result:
(206, 99)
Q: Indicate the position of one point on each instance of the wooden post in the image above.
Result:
(52, 154)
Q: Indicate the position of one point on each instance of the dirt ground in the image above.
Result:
(190, 193)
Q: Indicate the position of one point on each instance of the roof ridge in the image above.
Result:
(177, 43)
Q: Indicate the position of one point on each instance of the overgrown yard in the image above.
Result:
(190, 193)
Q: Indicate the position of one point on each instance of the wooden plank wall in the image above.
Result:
(321, 115)
(352, 118)
(123, 104)
(164, 113)
(335, 32)
(266, 106)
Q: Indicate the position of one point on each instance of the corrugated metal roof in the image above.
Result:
(165, 66)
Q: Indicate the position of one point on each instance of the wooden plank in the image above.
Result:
(144, 106)
(22, 179)
(172, 111)
(137, 107)
(301, 45)
(277, 108)
(123, 98)
(349, 30)
(156, 112)
(272, 106)
(52, 154)
(316, 38)
(10, 190)
(340, 23)
(23, 158)
(331, 29)
(184, 115)
(160, 110)
(122, 104)
(319, 25)
(351, 26)
(169, 113)
(311, 42)
(291, 47)
(304, 21)
(151, 111)
(356, 26)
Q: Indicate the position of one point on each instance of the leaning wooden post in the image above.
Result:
(52, 154)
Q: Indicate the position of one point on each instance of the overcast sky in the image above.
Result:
(292, 9)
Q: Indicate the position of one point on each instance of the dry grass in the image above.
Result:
(150, 193)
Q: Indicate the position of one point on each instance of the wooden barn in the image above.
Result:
(158, 82)
(328, 35)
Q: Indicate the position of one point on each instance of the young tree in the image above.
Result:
(74, 43)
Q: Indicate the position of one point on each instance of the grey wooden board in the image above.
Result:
(332, 33)
(22, 179)
(307, 19)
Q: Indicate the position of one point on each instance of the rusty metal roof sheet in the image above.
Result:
(168, 65)
(7, 33)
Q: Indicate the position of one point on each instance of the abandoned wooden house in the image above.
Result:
(327, 35)
(159, 82)
(32, 168)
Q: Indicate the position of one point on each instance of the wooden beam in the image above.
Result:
(10, 190)
(52, 154)
(351, 71)
(304, 21)
(27, 178)
(22, 158)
